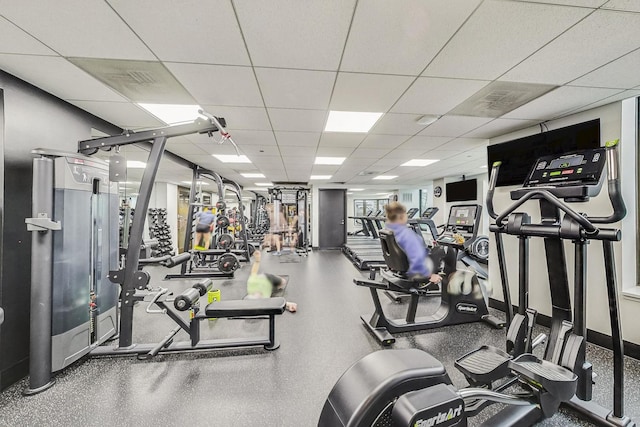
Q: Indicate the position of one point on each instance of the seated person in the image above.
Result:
(263, 285)
(412, 245)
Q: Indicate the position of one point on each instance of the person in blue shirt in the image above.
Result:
(204, 227)
(420, 265)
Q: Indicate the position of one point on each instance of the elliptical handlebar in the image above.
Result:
(493, 179)
(613, 186)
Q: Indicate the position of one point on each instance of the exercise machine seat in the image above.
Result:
(251, 307)
(363, 394)
(393, 254)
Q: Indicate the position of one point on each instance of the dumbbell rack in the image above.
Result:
(125, 220)
(160, 230)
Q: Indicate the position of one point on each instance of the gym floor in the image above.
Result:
(255, 387)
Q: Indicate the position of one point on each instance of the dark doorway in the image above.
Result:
(332, 208)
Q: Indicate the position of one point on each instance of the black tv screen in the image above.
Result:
(462, 190)
(519, 156)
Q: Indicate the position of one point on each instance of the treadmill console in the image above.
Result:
(429, 213)
(462, 225)
(573, 176)
(412, 212)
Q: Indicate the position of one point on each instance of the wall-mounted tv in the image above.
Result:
(519, 155)
(462, 191)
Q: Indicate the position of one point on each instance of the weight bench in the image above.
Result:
(189, 299)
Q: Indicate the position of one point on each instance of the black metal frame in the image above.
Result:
(559, 222)
(131, 278)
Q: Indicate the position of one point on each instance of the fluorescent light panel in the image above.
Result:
(329, 160)
(252, 175)
(356, 189)
(232, 158)
(135, 164)
(420, 162)
(351, 121)
(386, 177)
(264, 184)
(320, 177)
(173, 113)
(199, 182)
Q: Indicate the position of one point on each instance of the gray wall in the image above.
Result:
(32, 119)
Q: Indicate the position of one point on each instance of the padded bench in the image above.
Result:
(246, 308)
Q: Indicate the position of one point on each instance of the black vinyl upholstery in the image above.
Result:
(251, 307)
(393, 255)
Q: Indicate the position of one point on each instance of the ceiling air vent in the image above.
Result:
(498, 98)
(140, 81)
(367, 173)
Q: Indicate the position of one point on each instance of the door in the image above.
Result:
(332, 209)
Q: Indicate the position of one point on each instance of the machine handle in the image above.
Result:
(584, 222)
(155, 298)
(613, 186)
(493, 179)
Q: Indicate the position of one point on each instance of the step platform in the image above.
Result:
(484, 365)
(543, 375)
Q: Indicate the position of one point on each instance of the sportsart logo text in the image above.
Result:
(466, 308)
(440, 418)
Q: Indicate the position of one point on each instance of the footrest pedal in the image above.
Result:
(484, 365)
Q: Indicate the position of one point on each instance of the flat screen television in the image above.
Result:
(462, 191)
(518, 156)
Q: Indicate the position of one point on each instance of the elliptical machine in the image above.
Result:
(411, 388)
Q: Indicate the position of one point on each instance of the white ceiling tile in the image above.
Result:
(184, 149)
(367, 92)
(241, 118)
(383, 141)
(295, 34)
(211, 147)
(401, 39)
(123, 114)
(454, 125)
(61, 78)
(297, 120)
(466, 144)
(439, 154)
(580, 3)
(499, 127)
(295, 88)
(621, 73)
(187, 31)
(14, 40)
(324, 169)
(340, 139)
(402, 156)
(254, 137)
(397, 124)
(352, 162)
(579, 50)
(628, 5)
(523, 29)
(218, 84)
(260, 150)
(298, 139)
(86, 28)
(559, 102)
(371, 153)
(292, 151)
(334, 151)
(420, 144)
(297, 162)
(617, 97)
(430, 95)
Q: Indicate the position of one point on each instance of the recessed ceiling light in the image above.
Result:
(348, 193)
(320, 177)
(329, 160)
(351, 121)
(386, 177)
(264, 184)
(420, 162)
(199, 182)
(232, 158)
(135, 164)
(483, 167)
(356, 189)
(173, 113)
(252, 175)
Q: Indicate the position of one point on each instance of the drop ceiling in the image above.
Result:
(275, 68)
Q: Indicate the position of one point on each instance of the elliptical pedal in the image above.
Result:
(484, 365)
(543, 375)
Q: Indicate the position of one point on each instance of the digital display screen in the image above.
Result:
(462, 216)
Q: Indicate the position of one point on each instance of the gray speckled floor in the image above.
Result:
(254, 387)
